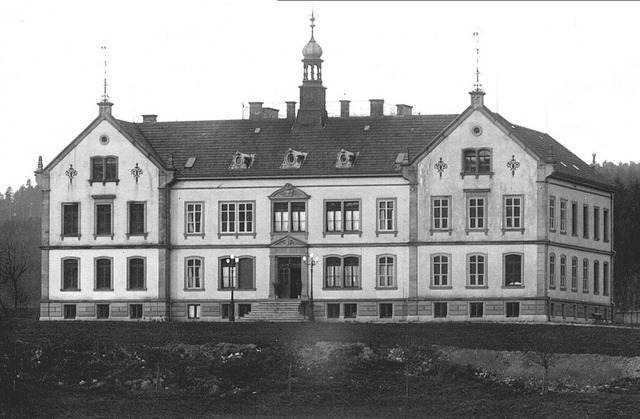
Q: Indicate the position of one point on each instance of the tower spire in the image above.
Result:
(477, 86)
(312, 19)
(105, 96)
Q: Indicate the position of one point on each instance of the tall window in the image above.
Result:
(386, 215)
(585, 275)
(574, 218)
(104, 169)
(585, 221)
(103, 274)
(194, 218)
(440, 270)
(342, 272)
(476, 213)
(70, 274)
(513, 270)
(243, 275)
(605, 225)
(194, 273)
(574, 274)
(71, 219)
(596, 277)
(289, 216)
(104, 219)
(596, 223)
(605, 278)
(477, 270)
(563, 272)
(477, 161)
(386, 271)
(136, 218)
(441, 213)
(236, 217)
(513, 212)
(552, 213)
(342, 216)
(563, 216)
(135, 273)
(552, 270)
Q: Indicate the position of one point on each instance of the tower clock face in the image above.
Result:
(310, 97)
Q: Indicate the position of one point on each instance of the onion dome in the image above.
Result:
(312, 50)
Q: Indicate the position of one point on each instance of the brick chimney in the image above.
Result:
(255, 110)
(270, 113)
(149, 119)
(404, 110)
(344, 108)
(477, 98)
(291, 110)
(104, 108)
(377, 107)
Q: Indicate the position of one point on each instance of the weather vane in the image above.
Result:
(477, 85)
(105, 96)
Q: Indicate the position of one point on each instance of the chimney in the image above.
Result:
(477, 99)
(149, 118)
(404, 110)
(105, 108)
(291, 110)
(255, 110)
(270, 113)
(377, 107)
(344, 108)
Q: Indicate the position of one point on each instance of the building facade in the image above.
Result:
(375, 218)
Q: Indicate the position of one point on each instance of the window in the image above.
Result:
(552, 309)
(552, 213)
(605, 224)
(574, 218)
(574, 274)
(605, 278)
(476, 161)
(441, 213)
(513, 309)
(575, 311)
(193, 311)
(585, 221)
(69, 311)
(71, 219)
(386, 215)
(104, 169)
(102, 311)
(596, 223)
(194, 218)
(243, 275)
(513, 270)
(552, 271)
(477, 270)
(439, 310)
(70, 274)
(440, 270)
(476, 213)
(585, 275)
(513, 212)
(596, 277)
(244, 309)
(342, 216)
(136, 273)
(563, 272)
(225, 310)
(135, 311)
(194, 273)
(586, 312)
(103, 274)
(104, 219)
(564, 316)
(333, 311)
(236, 217)
(563, 216)
(386, 271)
(350, 311)
(136, 218)
(476, 310)
(342, 272)
(289, 216)
(386, 310)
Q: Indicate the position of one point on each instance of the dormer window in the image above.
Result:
(346, 159)
(242, 161)
(104, 169)
(476, 161)
(293, 159)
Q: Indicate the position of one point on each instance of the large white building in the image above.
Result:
(411, 217)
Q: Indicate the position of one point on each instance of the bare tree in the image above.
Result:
(14, 259)
(544, 352)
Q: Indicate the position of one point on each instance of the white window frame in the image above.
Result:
(552, 271)
(194, 311)
(552, 213)
(236, 226)
(437, 278)
(512, 221)
(190, 279)
(383, 218)
(189, 220)
(438, 221)
(472, 213)
(389, 277)
(477, 280)
(342, 219)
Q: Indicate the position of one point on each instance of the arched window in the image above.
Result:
(513, 270)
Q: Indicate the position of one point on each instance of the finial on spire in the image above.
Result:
(105, 96)
(477, 86)
(312, 19)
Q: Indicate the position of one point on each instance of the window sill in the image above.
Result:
(193, 289)
(476, 230)
(508, 230)
(103, 289)
(237, 289)
(342, 288)
(394, 232)
(137, 235)
(70, 236)
(552, 230)
(104, 181)
(439, 230)
(552, 287)
(476, 174)
(441, 287)
(341, 233)
(517, 287)
(95, 236)
(563, 288)
(563, 232)
(478, 287)
(136, 289)
(386, 288)
(237, 235)
(193, 235)
(574, 289)
(70, 289)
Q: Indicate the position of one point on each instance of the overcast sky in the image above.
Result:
(570, 69)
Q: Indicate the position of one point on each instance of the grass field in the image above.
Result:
(121, 369)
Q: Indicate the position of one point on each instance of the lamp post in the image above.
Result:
(311, 261)
(232, 262)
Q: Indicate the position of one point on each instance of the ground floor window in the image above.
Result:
(333, 311)
(386, 310)
(513, 309)
(552, 310)
(586, 312)
(226, 310)
(350, 311)
(439, 310)
(562, 311)
(135, 311)
(102, 311)
(476, 310)
(193, 311)
(244, 309)
(69, 311)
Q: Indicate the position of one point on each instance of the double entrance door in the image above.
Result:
(289, 277)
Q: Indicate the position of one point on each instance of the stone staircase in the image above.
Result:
(275, 311)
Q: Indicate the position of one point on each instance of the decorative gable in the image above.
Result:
(289, 192)
(289, 241)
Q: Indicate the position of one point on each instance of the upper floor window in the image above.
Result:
(563, 216)
(477, 270)
(236, 218)
(104, 169)
(513, 270)
(386, 271)
(605, 224)
(574, 218)
(104, 274)
(563, 272)
(136, 273)
(585, 221)
(476, 213)
(194, 220)
(585, 275)
(605, 278)
(441, 213)
(574, 274)
(136, 219)
(71, 219)
(596, 277)
(552, 213)
(440, 270)
(596, 223)
(386, 215)
(242, 272)
(70, 274)
(289, 217)
(552, 271)
(342, 272)
(513, 212)
(342, 216)
(194, 273)
(477, 161)
(104, 218)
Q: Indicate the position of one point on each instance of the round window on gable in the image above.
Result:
(476, 130)
(291, 158)
(104, 140)
(344, 158)
(238, 160)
